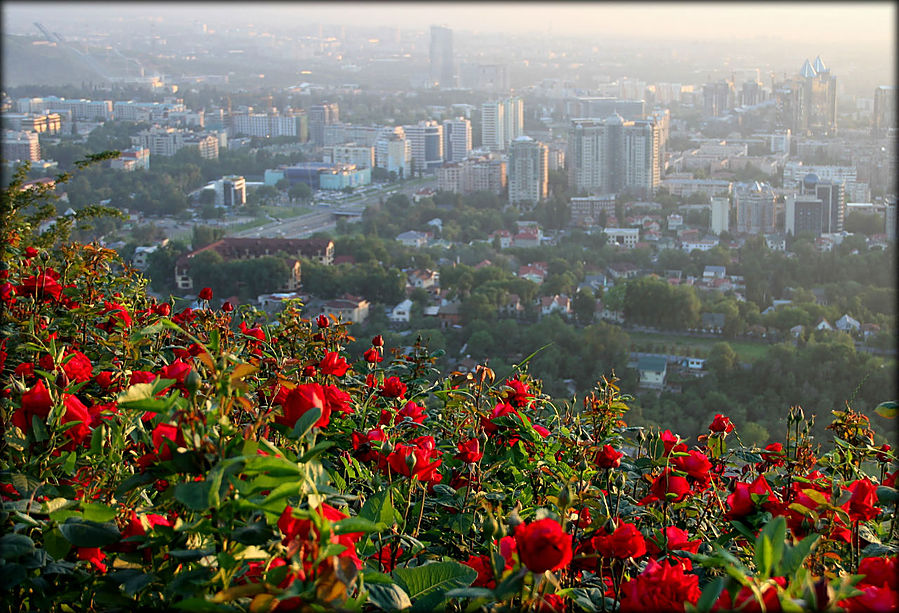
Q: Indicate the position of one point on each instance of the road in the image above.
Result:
(324, 217)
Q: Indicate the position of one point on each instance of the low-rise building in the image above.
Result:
(347, 308)
(652, 371)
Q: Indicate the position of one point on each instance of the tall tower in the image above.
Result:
(513, 125)
(322, 115)
(442, 68)
(493, 124)
(456, 139)
(528, 171)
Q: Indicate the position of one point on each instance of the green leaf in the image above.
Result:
(710, 595)
(471, 592)
(84, 533)
(887, 494)
(98, 512)
(217, 482)
(306, 422)
(427, 585)
(132, 580)
(378, 509)
(355, 524)
(316, 451)
(373, 576)
(272, 465)
(888, 409)
(388, 597)
(56, 545)
(142, 396)
(14, 546)
(256, 533)
(193, 494)
(12, 575)
(132, 482)
(794, 556)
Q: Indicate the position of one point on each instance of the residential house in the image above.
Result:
(714, 272)
(693, 363)
(652, 371)
(511, 306)
(823, 324)
(423, 278)
(869, 330)
(712, 322)
(449, 315)
(535, 272)
(846, 323)
(505, 238)
(622, 270)
(274, 303)
(413, 238)
(554, 304)
(347, 308)
(141, 258)
(797, 330)
(401, 313)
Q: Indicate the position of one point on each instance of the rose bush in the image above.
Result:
(161, 457)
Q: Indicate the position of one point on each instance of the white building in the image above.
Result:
(755, 204)
(401, 312)
(360, 155)
(720, 218)
(230, 191)
(623, 237)
(456, 139)
(528, 171)
(393, 152)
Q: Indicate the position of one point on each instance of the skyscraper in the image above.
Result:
(426, 142)
(612, 155)
(884, 110)
(720, 219)
(442, 69)
(528, 171)
(807, 104)
(718, 98)
(831, 195)
(320, 115)
(755, 204)
(456, 139)
(502, 121)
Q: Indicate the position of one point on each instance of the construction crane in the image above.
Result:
(84, 57)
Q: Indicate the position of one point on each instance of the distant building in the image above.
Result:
(42, 123)
(481, 174)
(426, 144)
(348, 308)
(884, 110)
(231, 191)
(528, 172)
(442, 69)
(502, 121)
(588, 211)
(393, 152)
(807, 103)
(652, 371)
(718, 98)
(720, 218)
(168, 141)
(22, 146)
(359, 155)
(755, 204)
(612, 156)
(623, 237)
(133, 158)
(321, 115)
(456, 139)
(319, 175)
(272, 125)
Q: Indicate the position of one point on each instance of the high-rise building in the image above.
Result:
(492, 126)
(426, 142)
(361, 156)
(833, 204)
(528, 171)
(612, 155)
(481, 174)
(321, 115)
(752, 93)
(393, 153)
(884, 110)
(24, 146)
(720, 219)
(807, 104)
(718, 98)
(443, 72)
(755, 204)
(456, 139)
(502, 121)
(889, 218)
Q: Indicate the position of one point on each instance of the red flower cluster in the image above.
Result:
(543, 545)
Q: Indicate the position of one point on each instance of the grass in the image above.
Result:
(286, 212)
(696, 346)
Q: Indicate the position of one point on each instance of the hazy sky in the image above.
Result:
(861, 22)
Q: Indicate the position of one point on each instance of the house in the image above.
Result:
(705, 244)
(423, 278)
(511, 306)
(713, 322)
(595, 282)
(714, 272)
(869, 329)
(796, 331)
(231, 248)
(846, 323)
(449, 315)
(652, 370)
(622, 270)
(274, 303)
(823, 324)
(527, 237)
(535, 272)
(347, 308)
(554, 304)
(425, 192)
(141, 258)
(401, 313)
(413, 238)
(504, 236)
(693, 363)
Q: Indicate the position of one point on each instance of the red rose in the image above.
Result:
(414, 412)
(499, 410)
(227, 307)
(177, 370)
(607, 457)
(393, 388)
(671, 442)
(205, 293)
(35, 402)
(882, 572)
(667, 486)
(674, 539)
(470, 451)
(301, 399)
(625, 542)
(164, 309)
(746, 601)
(518, 395)
(322, 321)
(721, 424)
(417, 461)
(740, 501)
(77, 366)
(337, 399)
(660, 587)
(373, 356)
(7, 293)
(873, 599)
(94, 556)
(388, 557)
(696, 464)
(117, 313)
(774, 454)
(861, 505)
(42, 286)
(30, 252)
(543, 545)
(482, 565)
(333, 364)
(77, 412)
(377, 341)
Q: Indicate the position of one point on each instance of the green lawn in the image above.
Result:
(286, 212)
(695, 346)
